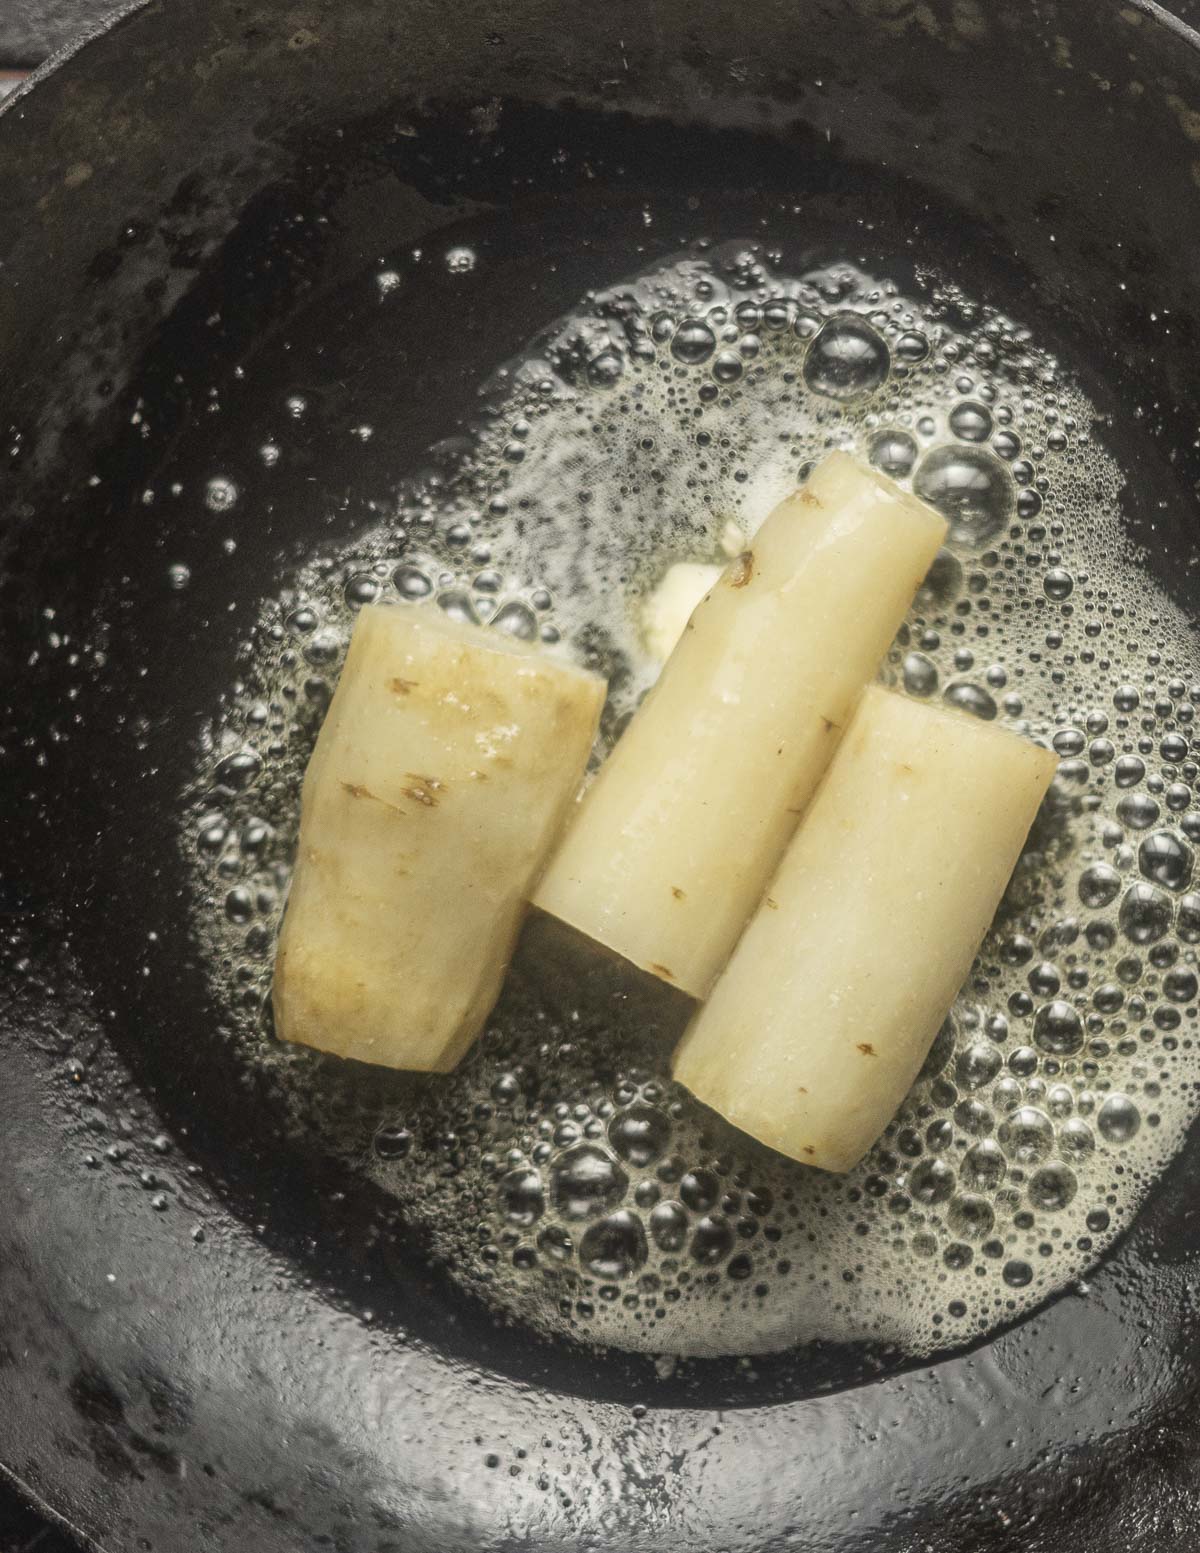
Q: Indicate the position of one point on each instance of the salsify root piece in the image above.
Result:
(439, 782)
(673, 843)
(817, 1028)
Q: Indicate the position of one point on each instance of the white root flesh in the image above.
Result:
(822, 1019)
(440, 780)
(674, 842)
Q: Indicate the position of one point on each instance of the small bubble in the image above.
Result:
(1058, 584)
(1075, 1137)
(640, 1135)
(1145, 914)
(847, 357)
(971, 422)
(586, 1181)
(393, 1142)
(893, 453)
(1129, 771)
(669, 1226)
(220, 494)
(1017, 1273)
(1058, 1029)
(238, 771)
(1069, 741)
(931, 1182)
(970, 1217)
(606, 369)
(984, 1165)
(920, 674)
(461, 260)
(1118, 1119)
(712, 1241)
(970, 698)
(521, 1196)
(555, 1243)
(458, 606)
(1052, 1188)
(323, 647)
(911, 348)
(942, 581)
(977, 1065)
(516, 619)
(614, 1247)
(1026, 1135)
(1166, 860)
(1180, 986)
(178, 577)
(1137, 810)
(700, 1189)
(693, 342)
(411, 583)
(971, 489)
(361, 589)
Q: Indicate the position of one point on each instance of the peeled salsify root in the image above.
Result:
(674, 842)
(820, 1022)
(440, 780)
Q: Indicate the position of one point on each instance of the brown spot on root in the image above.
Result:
(904, 766)
(866, 1048)
(677, 892)
(357, 790)
(402, 686)
(808, 497)
(422, 794)
(801, 1090)
(828, 724)
(662, 970)
(741, 569)
(808, 1149)
(795, 811)
(772, 903)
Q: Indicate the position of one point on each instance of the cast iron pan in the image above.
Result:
(202, 1342)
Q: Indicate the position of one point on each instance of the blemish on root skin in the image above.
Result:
(357, 790)
(677, 892)
(741, 569)
(866, 1048)
(662, 970)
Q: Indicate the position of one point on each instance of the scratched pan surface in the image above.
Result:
(205, 1340)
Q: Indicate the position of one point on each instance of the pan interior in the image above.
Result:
(523, 420)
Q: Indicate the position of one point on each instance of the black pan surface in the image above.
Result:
(204, 1342)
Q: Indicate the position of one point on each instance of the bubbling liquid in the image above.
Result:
(559, 1174)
